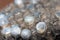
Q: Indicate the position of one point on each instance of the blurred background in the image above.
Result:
(3, 3)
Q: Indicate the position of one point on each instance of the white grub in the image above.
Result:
(26, 33)
(41, 27)
(6, 32)
(3, 19)
(15, 30)
(19, 3)
(29, 19)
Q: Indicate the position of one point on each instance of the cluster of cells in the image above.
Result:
(19, 19)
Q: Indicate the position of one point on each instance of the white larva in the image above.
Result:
(29, 19)
(25, 34)
(18, 2)
(15, 30)
(6, 31)
(3, 20)
(41, 27)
